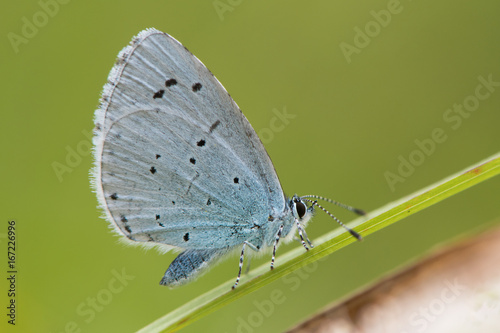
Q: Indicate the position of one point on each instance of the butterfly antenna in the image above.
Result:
(349, 208)
(352, 232)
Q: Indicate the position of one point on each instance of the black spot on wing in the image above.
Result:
(214, 126)
(196, 87)
(192, 160)
(123, 219)
(128, 229)
(152, 170)
(200, 143)
(159, 94)
(236, 180)
(160, 224)
(186, 236)
(209, 202)
(157, 217)
(158, 156)
(170, 82)
(114, 196)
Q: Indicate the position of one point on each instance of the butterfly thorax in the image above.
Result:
(295, 211)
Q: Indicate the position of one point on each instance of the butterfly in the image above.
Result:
(177, 164)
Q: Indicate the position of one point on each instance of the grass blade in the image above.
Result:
(327, 244)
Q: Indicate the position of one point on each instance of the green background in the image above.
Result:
(353, 121)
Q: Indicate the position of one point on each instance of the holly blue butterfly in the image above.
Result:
(178, 165)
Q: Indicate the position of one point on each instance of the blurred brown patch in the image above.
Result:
(456, 289)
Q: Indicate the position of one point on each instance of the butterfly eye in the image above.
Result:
(301, 208)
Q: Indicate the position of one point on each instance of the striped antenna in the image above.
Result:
(349, 208)
(352, 232)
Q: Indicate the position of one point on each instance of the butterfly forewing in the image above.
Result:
(175, 157)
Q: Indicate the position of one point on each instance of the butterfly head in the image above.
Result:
(300, 210)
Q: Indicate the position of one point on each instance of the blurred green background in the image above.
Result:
(357, 114)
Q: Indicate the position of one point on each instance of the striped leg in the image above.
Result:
(307, 238)
(276, 241)
(245, 243)
(299, 228)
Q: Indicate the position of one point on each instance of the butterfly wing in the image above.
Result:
(176, 161)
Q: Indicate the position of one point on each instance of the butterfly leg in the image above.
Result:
(253, 247)
(307, 238)
(301, 232)
(276, 241)
(310, 209)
